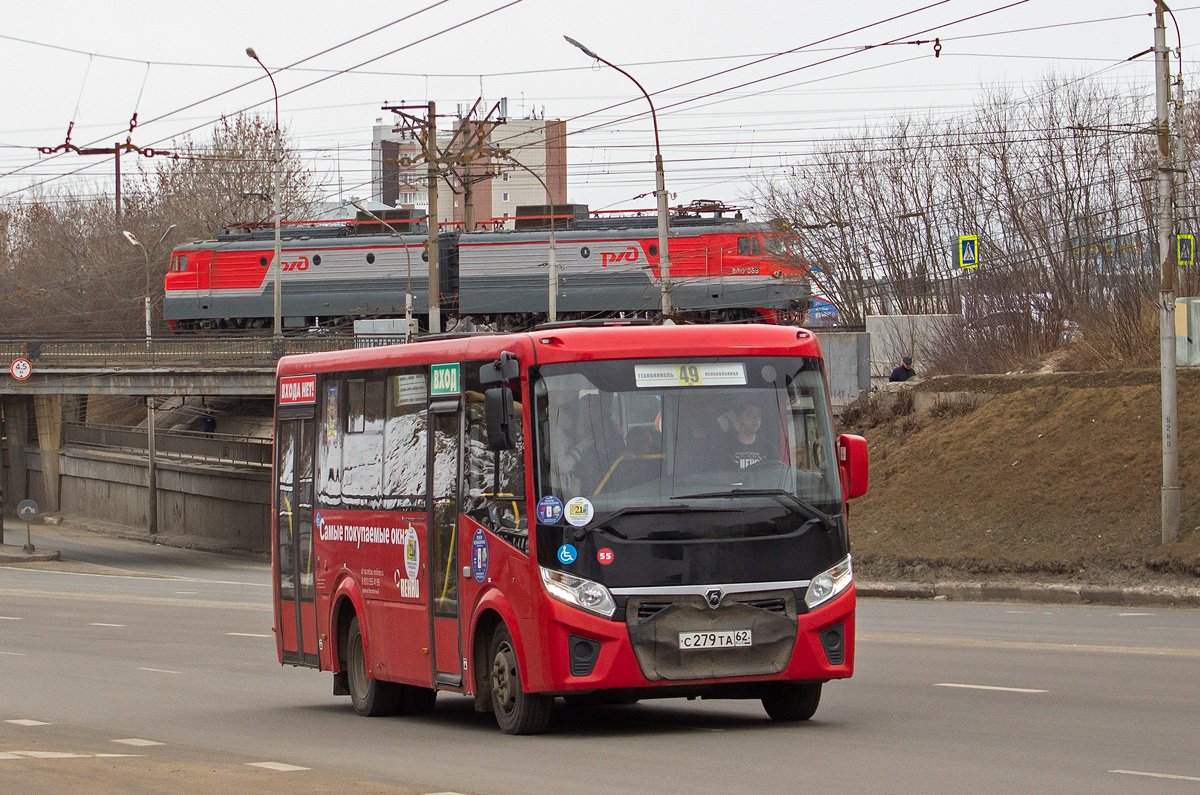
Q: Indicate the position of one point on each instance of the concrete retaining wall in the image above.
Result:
(225, 504)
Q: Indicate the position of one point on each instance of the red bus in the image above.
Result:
(599, 513)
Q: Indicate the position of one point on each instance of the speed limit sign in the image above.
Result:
(20, 369)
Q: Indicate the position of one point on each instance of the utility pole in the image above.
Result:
(1166, 327)
(435, 161)
(431, 159)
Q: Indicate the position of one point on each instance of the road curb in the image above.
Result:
(14, 554)
(1041, 593)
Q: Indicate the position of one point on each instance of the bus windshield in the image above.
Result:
(682, 435)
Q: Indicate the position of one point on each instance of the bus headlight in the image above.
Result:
(578, 592)
(829, 583)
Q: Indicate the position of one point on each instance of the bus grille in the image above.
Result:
(655, 622)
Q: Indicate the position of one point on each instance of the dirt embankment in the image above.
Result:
(1057, 476)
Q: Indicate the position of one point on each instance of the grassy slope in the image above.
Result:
(1045, 478)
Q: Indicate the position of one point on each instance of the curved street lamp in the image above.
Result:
(552, 305)
(408, 293)
(664, 262)
(133, 241)
(278, 320)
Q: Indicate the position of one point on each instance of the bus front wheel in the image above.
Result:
(371, 697)
(517, 712)
(792, 701)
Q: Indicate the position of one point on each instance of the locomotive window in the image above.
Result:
(316, 259)
(370, 259)
(652, 250)
(262, 261)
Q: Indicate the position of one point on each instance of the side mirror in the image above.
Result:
(504, 369)
(852, 462)
(498, 411)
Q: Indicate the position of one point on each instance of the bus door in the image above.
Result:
(297, 617)
(445, 455)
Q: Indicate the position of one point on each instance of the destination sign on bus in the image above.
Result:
(297, 389)
(664, 375)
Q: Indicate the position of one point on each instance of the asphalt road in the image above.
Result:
(148, 669)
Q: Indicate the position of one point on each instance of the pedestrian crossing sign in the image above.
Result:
(968, 251)
(1185, 248)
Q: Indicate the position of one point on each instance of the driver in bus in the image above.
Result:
(747, 444)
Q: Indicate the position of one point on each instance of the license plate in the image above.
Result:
(725, 639)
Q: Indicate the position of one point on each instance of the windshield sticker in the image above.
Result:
(666, 375)
(479, 555)
(550, 510)
(579, 511)
(605, 556)
(567, 554)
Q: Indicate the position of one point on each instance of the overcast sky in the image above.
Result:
(181, 66)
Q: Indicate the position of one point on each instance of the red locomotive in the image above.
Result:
(722, 269)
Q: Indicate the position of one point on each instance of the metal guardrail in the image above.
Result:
(222, 447)
(181, 351)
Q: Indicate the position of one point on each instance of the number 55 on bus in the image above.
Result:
(595, 513)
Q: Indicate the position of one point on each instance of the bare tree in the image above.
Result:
(66, 267)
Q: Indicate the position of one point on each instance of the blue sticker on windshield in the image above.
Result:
(567, 554)
(550, 510)
(479, 555)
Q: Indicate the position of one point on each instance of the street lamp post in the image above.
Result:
(146, 254)
(552, 305)
(151, 469)
(408, 294)
(278, 320)
(660, 192)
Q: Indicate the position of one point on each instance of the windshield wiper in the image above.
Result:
(783, 496)
(634, 509)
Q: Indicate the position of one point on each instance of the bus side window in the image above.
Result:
(503, 511)
(329, 447)
(362, 453)
(404, 441)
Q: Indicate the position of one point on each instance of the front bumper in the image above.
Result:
(643, 652)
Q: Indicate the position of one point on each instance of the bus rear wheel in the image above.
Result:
(517, 712)
(371, 697)
(792, 701)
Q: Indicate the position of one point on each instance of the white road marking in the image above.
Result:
(27, 722)
(1021, 612)
(138, 741)
(445, 793)
(11, 618)
(14, 653)
(991, 687)
(1135, 614)
(139, 577)
(185, 593)
(248, 635)
(278, 766)
(1155, 775)
(159, 670)
(97, 624)
(61, 755)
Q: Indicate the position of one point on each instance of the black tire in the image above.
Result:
(792, 701)
(517, 712)
(371, 697)
(417, 700)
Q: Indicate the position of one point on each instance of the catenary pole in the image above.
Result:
(1166, 255)
(431, 159)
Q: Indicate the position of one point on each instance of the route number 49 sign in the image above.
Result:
(20, 369)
